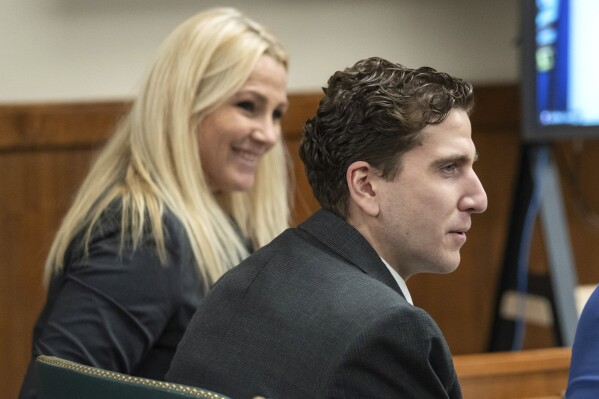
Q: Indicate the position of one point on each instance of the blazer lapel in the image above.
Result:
(343, 239)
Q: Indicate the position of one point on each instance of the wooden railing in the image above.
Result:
(540, 373)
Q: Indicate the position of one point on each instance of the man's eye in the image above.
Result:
(246, 105)
(449, 168)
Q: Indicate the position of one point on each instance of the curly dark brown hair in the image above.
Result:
(373, 112)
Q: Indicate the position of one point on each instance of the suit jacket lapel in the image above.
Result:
(343, 239)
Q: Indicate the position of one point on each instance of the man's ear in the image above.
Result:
(360, 176)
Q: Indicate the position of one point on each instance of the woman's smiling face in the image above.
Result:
(235, 136)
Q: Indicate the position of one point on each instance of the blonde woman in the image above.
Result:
(195, 177)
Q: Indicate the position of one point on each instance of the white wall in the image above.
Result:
(100, 49)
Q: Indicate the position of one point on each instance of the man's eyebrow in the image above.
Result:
(457, 158)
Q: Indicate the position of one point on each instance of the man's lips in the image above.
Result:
(460, 232)
(463, 229)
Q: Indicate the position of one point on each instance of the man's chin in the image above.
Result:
(450, 266)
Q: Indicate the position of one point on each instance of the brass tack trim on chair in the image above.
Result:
(198, 392)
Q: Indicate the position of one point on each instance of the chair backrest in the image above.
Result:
(58, 378)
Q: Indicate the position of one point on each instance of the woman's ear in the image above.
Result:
(360, 177)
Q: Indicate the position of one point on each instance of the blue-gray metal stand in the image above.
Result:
(538, 172)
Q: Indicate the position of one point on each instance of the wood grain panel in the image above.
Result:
(46, 126)
(541, 373)
(35, 192)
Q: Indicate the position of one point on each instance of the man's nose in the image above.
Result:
(475, 201)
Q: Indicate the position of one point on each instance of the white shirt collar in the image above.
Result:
(402, 284)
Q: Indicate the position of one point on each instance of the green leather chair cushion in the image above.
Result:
(63, 379)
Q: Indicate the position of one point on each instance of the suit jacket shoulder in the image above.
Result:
(302, 315)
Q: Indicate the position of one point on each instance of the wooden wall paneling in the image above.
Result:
(62, 125)
(304, 203)
(35, 191)
(302, 107)
(45, 151)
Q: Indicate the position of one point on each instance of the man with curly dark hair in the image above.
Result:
(324, 311)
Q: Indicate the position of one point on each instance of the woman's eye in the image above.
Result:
(277, 115)
(246, 105)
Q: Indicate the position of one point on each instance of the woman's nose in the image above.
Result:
(267, 132)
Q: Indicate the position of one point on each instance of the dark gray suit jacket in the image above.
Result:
(314, 314)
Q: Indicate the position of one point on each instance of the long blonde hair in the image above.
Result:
(153, 161)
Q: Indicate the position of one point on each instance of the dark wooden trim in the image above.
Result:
(58, 125)
(88, 124)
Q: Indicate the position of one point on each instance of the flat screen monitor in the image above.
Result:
(560, 75)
